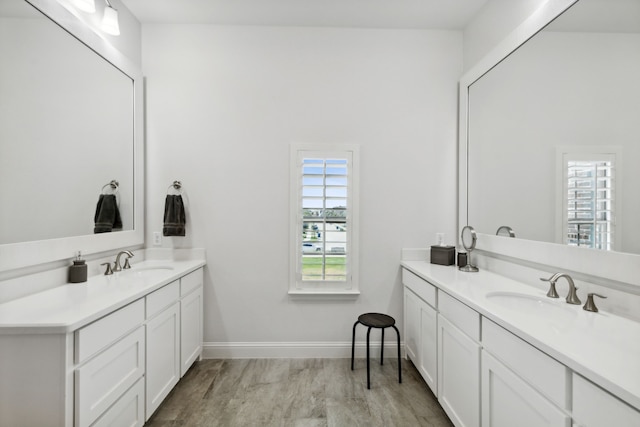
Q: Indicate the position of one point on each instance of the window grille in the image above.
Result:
(324, 206)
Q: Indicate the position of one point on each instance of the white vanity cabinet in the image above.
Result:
(458, 361)
(163, 344)
(109, 364)
(102, 353)
(594, 407)
(420, 327)
(521, 386)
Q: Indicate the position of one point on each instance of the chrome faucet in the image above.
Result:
(116, 265)
(572, 296)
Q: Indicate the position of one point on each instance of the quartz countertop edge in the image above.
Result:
(599, 346)
(69, 307)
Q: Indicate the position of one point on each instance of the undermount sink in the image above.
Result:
(532, 304)
(148, 270)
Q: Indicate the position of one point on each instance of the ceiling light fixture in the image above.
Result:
(88, 6)
(110, 23)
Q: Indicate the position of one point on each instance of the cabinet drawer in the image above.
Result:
(547, 375)
(105, 378)
(102, 332)
(464, 318)
(162, 298)
(191, 281)
(420, 287)
(128, 411)
(594, 407)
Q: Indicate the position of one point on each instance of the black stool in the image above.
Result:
(380, 321)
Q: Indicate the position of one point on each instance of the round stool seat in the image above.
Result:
(376, 320)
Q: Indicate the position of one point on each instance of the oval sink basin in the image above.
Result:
(148, 270)
(532, 304)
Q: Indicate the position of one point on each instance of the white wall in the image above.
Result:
(493, 23)
(223, 106)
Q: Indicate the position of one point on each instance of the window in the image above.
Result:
(324, 220)
(589, 205)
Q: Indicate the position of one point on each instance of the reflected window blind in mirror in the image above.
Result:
(590, 204)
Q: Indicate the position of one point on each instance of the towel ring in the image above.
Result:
(114, 186)
(177, 185)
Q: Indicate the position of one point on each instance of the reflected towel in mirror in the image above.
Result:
(174, 216)
(107, 217)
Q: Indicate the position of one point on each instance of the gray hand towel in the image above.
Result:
(107, 216)
(174, 216)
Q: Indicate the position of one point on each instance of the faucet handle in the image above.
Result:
(108, 271)
(590, 305)
(127, 265)
(552, 293)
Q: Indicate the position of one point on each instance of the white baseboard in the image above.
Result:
(296, 350)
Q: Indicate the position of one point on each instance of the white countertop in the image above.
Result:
(599, 346)
(69, 307)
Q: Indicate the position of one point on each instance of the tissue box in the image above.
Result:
(443, 255)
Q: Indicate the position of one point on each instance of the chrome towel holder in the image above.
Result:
(177, 186)
(114, 186)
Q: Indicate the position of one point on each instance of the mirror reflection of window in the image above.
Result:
(589, 198)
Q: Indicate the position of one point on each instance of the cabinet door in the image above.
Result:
(163, 356)
(594, 407)
(428, 352)
(508, 401)
(458, 375)
(411, 325)
(190, 329)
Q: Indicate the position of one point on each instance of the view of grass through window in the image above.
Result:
(324, 219)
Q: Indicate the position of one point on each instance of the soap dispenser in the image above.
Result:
(78, 271)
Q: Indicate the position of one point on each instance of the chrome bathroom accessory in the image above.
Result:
(113, 184)
(116, 265)
(506, 231)
(177, 186)
(590, 305)
(572, 296)
(468, 237)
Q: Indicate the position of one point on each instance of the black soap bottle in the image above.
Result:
(78, 271)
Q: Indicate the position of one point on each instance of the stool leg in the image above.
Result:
(353, 343)
(368, 376)
(399, 366)
(382, 348)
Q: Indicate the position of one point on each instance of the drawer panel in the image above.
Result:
(104, 379)
(546, 374)
(464, 318)
(102, 332)
(128, 411)
(162, 298)
(191, 281)
(420, 287)
(595, 407)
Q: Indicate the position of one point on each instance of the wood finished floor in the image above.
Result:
(299, 393)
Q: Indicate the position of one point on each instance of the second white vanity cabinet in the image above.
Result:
(490, 375)
(101, 353)
(458, 361)
(420, 331)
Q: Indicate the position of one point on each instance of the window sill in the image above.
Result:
(315, 295)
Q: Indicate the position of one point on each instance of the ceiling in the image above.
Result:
(431, 14)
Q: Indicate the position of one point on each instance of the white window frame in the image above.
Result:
(564, 154)
(338, 288)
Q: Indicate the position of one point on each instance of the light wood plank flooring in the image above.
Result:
(299, 393)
